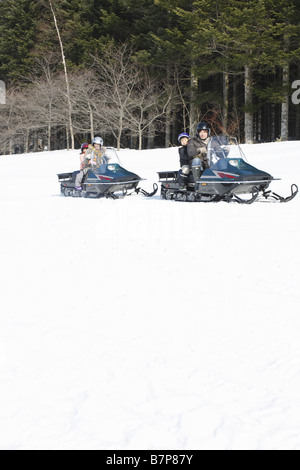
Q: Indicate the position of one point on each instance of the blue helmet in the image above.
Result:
(184, 134)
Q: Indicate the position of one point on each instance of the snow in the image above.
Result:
(143, 323)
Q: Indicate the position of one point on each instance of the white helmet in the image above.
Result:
(98, 140)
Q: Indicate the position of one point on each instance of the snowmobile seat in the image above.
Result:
(65, 176)
(168, 175)
(74, 174)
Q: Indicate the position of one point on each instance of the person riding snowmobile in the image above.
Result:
(197, 147)
(95, 152)
(83, 149)
(185, 160)
(94, 157)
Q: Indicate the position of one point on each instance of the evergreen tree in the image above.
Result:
(287, 34)
(172, 59)
(234, 36)
(234, 55)
(18, 32)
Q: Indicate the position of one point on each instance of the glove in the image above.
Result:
(202, 150)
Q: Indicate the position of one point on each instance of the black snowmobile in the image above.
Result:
(228, 177)
(106, 179)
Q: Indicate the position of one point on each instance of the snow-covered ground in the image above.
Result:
(148, 324)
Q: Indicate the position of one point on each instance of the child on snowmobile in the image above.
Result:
(185, 160)
(84, 148)
(94, 157)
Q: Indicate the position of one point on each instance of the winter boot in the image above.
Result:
(182, 179)
(197, 169)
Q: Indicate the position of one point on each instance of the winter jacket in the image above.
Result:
(94, 157)
(81, 156)
(183, 156)
(197, 147)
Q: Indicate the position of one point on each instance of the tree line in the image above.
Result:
(141, 71)
(115, 97)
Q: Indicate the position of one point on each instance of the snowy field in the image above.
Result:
(148, 324)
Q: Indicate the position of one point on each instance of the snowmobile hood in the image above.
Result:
(111, 172)
(227, 162)
(228, 169)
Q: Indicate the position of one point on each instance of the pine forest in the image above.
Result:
(139, 72)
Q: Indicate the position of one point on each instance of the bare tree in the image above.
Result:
(14, 123)
(46, 100)
(148, 103)
(88, 103)
(7, 125)
(118, 75)
(65, 72)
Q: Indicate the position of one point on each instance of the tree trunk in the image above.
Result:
(120, 132)
(225, 101)
(49, 127)
(91, 122)
(193, 106)
(140, 138)
(27, 141)
(67, 137)
(151, 135)
(248, 104)
(285, 104)
(49, 137)
(168, 126)
(66, 77)
(273, 124)
(168, 114)
(235, 109)
(259, 126)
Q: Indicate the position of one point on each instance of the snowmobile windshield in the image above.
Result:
(110, 161)
(111, 155)
(223, 147)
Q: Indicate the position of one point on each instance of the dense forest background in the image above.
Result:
(138, 72)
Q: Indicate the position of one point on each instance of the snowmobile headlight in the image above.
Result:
(234, 162)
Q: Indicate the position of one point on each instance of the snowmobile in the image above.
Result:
(228, 178)
(104, 179)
